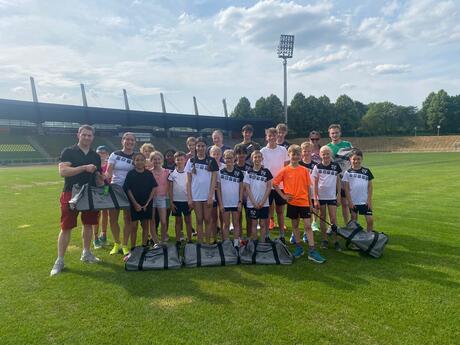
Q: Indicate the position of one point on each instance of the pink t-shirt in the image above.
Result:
(162, 180)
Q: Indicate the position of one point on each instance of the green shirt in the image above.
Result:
(341, 145)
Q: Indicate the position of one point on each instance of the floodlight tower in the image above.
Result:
(285, 50)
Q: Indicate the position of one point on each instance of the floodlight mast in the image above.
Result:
(285, 51)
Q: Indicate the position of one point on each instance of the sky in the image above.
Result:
(371, 50)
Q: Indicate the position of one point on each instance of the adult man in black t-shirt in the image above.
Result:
(79, 164)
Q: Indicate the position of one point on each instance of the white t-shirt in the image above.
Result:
(327, 180)
(179, 180)
(230, 186)
(257, 181)
(122, 164)
(358, 182)
(274, 159)
(201, 181)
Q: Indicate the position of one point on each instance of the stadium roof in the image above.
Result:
(38, 112)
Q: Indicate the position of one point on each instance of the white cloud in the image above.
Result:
(114, 21)
(390, 8)
(311, 64)
(357, 65)
(347, 86)
(391, 69)
(18, 89)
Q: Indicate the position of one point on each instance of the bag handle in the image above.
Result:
(221, 253)
(350, 237)
(165, 257)
(198, 255)
(275, 253)
(374, 242)
(140, 265)
(114, 198)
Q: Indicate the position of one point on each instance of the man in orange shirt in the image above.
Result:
(296, 182)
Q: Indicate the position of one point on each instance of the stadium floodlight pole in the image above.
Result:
(34, 90)
(195, 106)
(439, 127)
(285, 51)
(163, 106)
(125, 96)
(83, 95)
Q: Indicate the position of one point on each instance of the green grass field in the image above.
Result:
(409, 296)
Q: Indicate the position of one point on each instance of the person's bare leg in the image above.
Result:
(86, 235)
(207, 216)
(280, 216)
(188, 227)
(133, 235)
(114, 226)
(345, 211)
(164, 226)
(127, 227)
(322, 224)
(226, 226)
(63, 242)
(199, 213)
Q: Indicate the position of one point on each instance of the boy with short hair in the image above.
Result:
(250, 146)
(327, 188)
(275, 158)
(358, 188)
(282, 130)
(178, 196)
(296, 192)
(258, 185)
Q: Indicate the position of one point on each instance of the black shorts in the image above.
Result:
(332, 202)
(362, 209)
(230, 209)
(295, 212)
(182, 209)
(258, 214)
(279, 201)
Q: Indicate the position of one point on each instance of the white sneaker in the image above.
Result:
(258, 227)
(231, 227)
(57, 268)
(89, 258)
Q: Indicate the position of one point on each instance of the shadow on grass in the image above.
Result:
(405, 258)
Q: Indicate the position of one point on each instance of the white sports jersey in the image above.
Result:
(179, 180)
(230, 186)
(274, 159)
(358, 181)
(201, 181)
(257, 181)
(122, 164)
(327, 180)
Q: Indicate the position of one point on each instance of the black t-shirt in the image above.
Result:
(309, 166)
(244, 168)
(285, 144)
(140, 184)
(76, 157)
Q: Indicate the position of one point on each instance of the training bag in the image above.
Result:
(265, 253)
(91, 198)
(342, 158)
(219, 254)
(147, 259)
(371, 243)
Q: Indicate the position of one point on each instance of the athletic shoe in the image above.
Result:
(193, 232)
(298, 252)
(316, 257)
(97, 243)
(115, 249)
(329, 231)
(314, 226)
(337, 246)
(57, 267)
(103, 240)
(156, 245)
(125, 250)
(271, 224)
(231, 227)
(282, 239)
(292, 240)
(182, 239)
(89, 258)
(236, 243)
(258, 227)
(305, 238)
(324, 244)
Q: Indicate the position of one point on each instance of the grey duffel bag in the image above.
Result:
(220, 254)
(266, 253)
(91, 198)
(371, 243)
(147, 259)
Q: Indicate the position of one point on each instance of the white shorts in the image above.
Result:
(159, 202)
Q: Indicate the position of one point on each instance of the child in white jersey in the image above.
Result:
(230, 192)
(258, 185)
(201, 186)
(358, 189)
(178, 196)
(326, 189)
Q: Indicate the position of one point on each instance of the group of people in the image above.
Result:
(218, 184)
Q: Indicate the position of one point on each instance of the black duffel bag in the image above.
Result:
(91, 198)
(148, 259)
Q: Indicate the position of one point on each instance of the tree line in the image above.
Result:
(356, 118)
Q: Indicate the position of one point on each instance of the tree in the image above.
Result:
(347, 114)
(296, 111)
(260, 108)
(243, 109)
(274, 108)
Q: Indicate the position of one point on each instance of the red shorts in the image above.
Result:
(69, 217)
